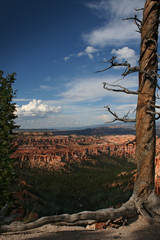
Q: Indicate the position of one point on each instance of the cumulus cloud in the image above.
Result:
(127, 54)
(115, 30)
(36, 108)
(89, 51)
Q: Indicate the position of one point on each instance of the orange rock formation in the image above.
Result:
(57, 151)
(45, 150)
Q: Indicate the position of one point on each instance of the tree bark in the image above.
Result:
(145, 122)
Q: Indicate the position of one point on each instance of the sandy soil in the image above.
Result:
(138, 230)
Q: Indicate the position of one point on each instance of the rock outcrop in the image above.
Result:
(56, 152)
(45, 150)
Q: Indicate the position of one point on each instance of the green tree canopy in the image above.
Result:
(7, 127)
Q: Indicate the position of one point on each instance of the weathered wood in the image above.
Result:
(87, 217)
(145, 122)
(6, 219)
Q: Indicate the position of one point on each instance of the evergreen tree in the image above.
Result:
(7, 127)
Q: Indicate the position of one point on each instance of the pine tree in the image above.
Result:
(7, 127)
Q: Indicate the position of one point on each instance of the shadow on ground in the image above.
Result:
(151, 232)
(74, 235)
(138, 230)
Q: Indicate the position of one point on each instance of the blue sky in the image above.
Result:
(56, 46)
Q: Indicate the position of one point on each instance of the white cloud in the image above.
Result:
(115, 30)
(89, 51)
(68, 57)
(91, 89)
(127, 54)
(80, 54)
(106, 118)
(84, 90)
(79, 105)
(36, 108)
(118, 8)
(46, 87)
(22, 99)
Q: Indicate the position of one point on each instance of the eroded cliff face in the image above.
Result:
(57, 152)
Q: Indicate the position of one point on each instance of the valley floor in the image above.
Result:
(138, 230)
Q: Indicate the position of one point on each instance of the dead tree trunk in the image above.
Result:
(145, 113)
(143, 200)
(145, 122)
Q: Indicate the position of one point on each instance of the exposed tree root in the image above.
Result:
(149, 209)
(82, 218)
(6, 219)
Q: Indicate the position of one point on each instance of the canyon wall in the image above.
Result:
(45, 150)
(58, 151)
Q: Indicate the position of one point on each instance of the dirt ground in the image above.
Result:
(137, 230)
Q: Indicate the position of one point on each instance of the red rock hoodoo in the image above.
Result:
(45, 150)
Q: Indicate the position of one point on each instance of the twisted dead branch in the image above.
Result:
(122, 89)
(113, 63)
(6, 219)
(136, 21)
(125, 118)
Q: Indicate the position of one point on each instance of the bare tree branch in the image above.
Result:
(151, 109)
(123, 89)
(156, 74)
(157, 96)
(130, 70)
(157, 55)
(6, 219)
(113, 63)
(154, 113)
(152, 104)
(131, 142)
(127, 143)
(125, 118)
(140, 9)
(136, 21)
(3, 210)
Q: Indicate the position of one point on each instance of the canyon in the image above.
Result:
(56, 152)
(46, 150)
